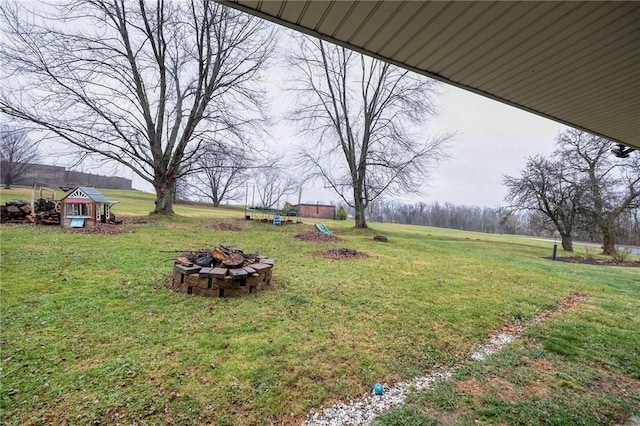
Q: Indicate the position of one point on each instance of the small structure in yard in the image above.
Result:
(222, 271)
(84, 207)
(318, 211)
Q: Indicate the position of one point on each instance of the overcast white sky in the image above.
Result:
(492, 139)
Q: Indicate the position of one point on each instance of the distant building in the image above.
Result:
(319, 211)
(54, 176)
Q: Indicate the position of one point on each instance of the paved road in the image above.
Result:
(634, 249)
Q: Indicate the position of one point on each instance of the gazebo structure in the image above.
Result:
(83, 207)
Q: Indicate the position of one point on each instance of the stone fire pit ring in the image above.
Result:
(221, 272)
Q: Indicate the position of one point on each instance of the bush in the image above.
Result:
(342, 213)
(621, 255)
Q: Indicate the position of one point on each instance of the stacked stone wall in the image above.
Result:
(222, 282)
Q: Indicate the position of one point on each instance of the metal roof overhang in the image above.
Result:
(577, 63)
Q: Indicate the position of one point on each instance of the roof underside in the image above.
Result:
(574, 62)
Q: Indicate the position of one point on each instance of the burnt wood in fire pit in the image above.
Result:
(234, 260)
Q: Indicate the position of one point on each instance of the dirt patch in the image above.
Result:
(317, 237)
(504, 389)
(101, 229)
(598, 262)
(342, 253)
(618, 383)
(572, 301)
(543, 365)
(470, 387)
(476, 390)
(134, 220)
(224, 227)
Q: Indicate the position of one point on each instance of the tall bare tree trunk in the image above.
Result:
(608, 241)
(164, 198)
(567, 242)
(361, 221)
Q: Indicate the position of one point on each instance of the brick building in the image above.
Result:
(319, 211)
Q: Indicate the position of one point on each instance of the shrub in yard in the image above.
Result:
(342, 213)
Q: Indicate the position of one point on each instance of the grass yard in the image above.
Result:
(90, 334)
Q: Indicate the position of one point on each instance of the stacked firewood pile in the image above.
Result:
(46, 212)
(222, 271)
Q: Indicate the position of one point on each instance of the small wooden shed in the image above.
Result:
(83, 207)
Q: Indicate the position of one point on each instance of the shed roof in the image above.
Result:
(90, 192)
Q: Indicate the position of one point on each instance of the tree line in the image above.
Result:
(492, 220)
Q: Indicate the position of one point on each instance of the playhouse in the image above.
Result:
(83, 207)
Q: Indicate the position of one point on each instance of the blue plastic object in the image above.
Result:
(378, 389)
(320, 227)
(77, 222)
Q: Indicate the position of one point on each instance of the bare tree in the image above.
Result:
(222, 172)
(17, 152)
(611, 185)
(583, 186)
(546, 186)
(272, 184)
(355, 111)
(138, 83)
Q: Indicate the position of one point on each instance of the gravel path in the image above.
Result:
(364, 410)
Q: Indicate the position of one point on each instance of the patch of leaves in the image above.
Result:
(593, 261)
(224, 227)
(101, 229)
(317, 237)
(342, 253)
(134, 220)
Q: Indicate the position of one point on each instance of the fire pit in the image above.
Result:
(222, 271)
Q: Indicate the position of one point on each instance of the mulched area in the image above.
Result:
(317, 237)
(101, 229)
(598, 262)
(342, 253)
(224, 227)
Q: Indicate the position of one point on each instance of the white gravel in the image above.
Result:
(364, 410)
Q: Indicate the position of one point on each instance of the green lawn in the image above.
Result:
(89, 332)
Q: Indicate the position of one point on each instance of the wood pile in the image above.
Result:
(46, 212)
(219, 272)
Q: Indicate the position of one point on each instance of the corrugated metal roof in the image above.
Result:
(575, 62)
(92, 193)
